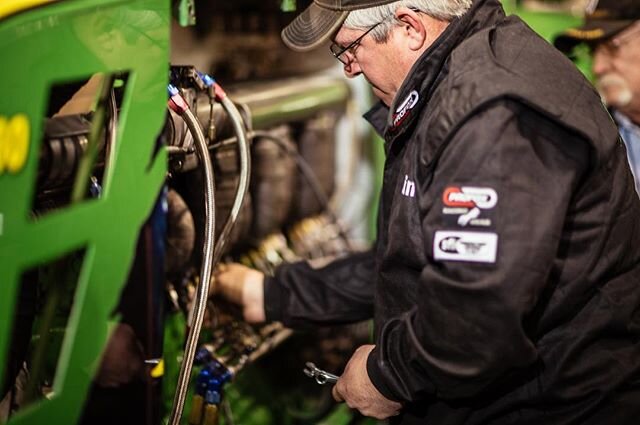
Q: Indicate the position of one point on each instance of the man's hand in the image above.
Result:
(243, 286)
(356, 389)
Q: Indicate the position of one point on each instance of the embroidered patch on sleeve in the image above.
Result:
(469, 206)
(477, 247)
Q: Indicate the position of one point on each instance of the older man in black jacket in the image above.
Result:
(505, 280)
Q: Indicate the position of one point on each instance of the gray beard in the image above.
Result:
(614, 90)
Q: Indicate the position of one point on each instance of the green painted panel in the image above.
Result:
(60, 42)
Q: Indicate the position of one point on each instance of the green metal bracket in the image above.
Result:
(67, 41)
(186, 13)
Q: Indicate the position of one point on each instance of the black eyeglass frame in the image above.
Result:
(357, 41)
(351, 45)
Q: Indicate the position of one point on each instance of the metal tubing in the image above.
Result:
(205, 271)
(245, 172)
(210, 259)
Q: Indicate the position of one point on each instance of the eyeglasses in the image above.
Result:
(340, 52)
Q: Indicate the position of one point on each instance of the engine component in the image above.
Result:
(272, 187)
(282, 121)
(231, 163)
(65, 142)
(287, 100)
(313, 136)
(180, 234)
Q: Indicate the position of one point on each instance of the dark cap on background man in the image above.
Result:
(605, 20)
(318, 22)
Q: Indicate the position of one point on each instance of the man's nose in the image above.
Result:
(352, 69)
(601, 62)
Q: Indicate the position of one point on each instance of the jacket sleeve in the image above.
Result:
(341, 292)
(469, 327)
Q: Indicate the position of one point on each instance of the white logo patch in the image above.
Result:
(405, 107)
(477, 247)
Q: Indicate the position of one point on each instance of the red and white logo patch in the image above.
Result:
(464, 204)
(484, 198)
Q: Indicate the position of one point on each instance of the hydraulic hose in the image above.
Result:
(177, 104)
(209, 258)
(245, 168)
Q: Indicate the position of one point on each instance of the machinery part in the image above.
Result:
(271, 187)
(315, 143)
(238, 345)
(318, 238)
(308, 173)
(303, 166)
(178, 104)
(66, 145)
(66, 140)
(232, 178)
(281, 101)
(208, 391)
(234, 343)
(181, 233)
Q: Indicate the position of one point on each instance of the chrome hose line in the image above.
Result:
(245, 172)
(205, 272)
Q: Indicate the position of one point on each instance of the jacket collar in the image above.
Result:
(429, 70)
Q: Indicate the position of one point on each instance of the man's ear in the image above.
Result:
(412, 27)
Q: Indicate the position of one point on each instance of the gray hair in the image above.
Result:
(363, 19)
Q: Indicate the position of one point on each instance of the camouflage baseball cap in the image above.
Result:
(318, 22)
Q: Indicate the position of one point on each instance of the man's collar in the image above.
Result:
(429, 69)
(377, 117)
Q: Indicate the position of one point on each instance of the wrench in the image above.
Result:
(322, 377)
